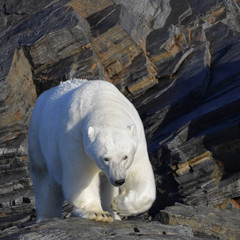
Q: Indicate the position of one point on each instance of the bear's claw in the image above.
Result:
(99, 216)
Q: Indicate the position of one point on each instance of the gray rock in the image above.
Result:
(205, 221)
(75, 228)
(10, 230)
(138, 18)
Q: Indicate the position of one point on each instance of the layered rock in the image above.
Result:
(205, 222)
(19, 98)
(191, 117)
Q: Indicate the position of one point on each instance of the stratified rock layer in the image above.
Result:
(205, 222)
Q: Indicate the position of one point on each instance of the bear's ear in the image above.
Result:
(91, 134)
(132, 129)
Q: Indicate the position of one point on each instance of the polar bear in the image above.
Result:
(87, 146)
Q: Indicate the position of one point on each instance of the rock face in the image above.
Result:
(175, 222)
(205, 222)
(75, 228)
(177, 61)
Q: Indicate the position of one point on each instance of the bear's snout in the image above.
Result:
(119, 182)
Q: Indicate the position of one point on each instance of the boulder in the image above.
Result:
(205, 221)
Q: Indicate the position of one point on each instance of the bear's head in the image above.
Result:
(112, 149)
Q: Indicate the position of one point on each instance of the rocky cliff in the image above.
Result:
(177, 61)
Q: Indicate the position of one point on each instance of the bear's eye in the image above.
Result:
(125, 157)
(106, 159)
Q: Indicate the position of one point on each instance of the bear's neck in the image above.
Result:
(108, 119)
(109, 112)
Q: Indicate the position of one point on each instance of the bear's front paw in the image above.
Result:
(99, 216)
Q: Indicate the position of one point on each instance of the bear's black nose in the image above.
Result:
(119, 182)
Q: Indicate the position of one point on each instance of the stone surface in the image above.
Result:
(177, 61)
(205, 222)
(75, 228)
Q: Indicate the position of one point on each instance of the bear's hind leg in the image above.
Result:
(48, 196)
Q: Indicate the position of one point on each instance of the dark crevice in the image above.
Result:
(6, 12)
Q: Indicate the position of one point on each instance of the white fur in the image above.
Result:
(83, 137)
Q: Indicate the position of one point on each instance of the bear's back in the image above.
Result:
(83, 86)
(46, 102)
(80, 98)
(64, 88)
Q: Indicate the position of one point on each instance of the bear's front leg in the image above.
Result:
(86, 201)
(137, 194)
